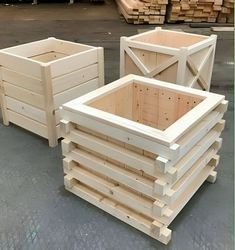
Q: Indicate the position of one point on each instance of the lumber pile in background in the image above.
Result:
(143, 11)
(194, 10)
(226, 14)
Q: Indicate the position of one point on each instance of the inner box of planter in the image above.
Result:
(152, 106)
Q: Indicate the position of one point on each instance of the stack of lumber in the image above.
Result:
(194, 10)
(226, 14)
(139, 149)
(143, 11)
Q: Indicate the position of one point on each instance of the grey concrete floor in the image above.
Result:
(35, 210)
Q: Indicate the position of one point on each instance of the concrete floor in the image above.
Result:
(35, 210)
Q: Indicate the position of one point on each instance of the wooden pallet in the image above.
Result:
(172, 56)
(140, 169)
(193, 11)
(140, 12)
(36, 78)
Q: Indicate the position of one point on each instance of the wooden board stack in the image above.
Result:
(226, 14)
(139, 149)
(143, 11)
(36, 78)
(193, 10)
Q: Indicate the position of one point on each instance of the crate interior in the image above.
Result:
(47, 50)
(170, 38)
(152, 106)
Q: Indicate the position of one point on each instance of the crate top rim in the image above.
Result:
(208, 39)
(167, 137)
(11, 51)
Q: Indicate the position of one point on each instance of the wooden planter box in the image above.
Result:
(176, 57)
(139, 149)
(36, 78)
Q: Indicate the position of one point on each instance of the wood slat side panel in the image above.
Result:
(134, 181)
(28, 124)
(23, 81)
(24, 95)
(75, 92)
(75, 78)
(117, 210)
(73, 62)
(113, 151)
(26, 110)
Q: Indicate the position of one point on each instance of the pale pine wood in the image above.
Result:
(141, 144)
(167, 55)
(38, 77)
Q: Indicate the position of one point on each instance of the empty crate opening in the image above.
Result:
(170, 39)
(47, 50)
(152, 106)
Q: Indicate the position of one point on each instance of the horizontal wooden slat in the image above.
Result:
(32, 48)
(69, 48)
(73, 62)
(74, 78)
(75, 92)
(20, 64)
(26, 110)
(23, 81)
(29, 124)
(24, 95)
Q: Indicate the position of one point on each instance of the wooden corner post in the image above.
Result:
(3, 104)
(101, 66)
(122, 55)
(49, 105)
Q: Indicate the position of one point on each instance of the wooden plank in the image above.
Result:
(28, 124)
(26, 110)
(75, 92)
(24, 95)
(23, 65)
(23, 81)
(32, 48)
(74, 78)
(74, 62)
(3, 104)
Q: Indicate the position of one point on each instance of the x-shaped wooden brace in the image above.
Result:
(197, 71)
(143, 68)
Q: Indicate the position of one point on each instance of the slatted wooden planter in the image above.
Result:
(36, 78)
(139, 149)
(177, 57)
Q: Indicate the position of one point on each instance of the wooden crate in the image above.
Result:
(177, 57)
(36, 78)
(139, 149)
